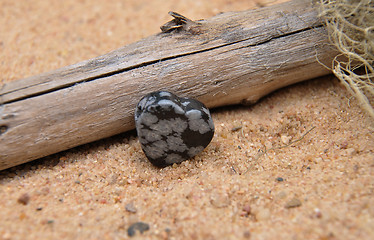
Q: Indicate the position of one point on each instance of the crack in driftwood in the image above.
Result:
(175, 30)
(109, 74)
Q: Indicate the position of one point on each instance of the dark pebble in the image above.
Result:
(46, 221)
(279, 179)
(172, 129)
(138, 226)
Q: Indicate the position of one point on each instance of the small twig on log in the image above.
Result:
(179, 22)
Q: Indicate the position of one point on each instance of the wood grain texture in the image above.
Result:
(232, 58)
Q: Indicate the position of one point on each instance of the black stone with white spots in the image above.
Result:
(172, 129)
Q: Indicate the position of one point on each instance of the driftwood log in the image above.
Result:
(232, 58)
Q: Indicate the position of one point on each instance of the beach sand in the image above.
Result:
(298, 164)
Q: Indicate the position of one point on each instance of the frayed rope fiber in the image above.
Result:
(350, 25)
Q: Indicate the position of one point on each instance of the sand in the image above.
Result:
(299, 164)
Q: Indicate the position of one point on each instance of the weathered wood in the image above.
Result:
(231, 58)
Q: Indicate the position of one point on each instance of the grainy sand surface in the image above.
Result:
(299, 164)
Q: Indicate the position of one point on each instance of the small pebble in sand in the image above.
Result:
(268, 145)
(279, 179)
(24, 199)
(247, 234)
(138, 226)
(294, 202)
(285, 139)
(220, 200)
(344, 144)
(237, 128)
(47, 221)
(350, 152)
(281, 195)
(317, 213)
(247, 209)
(131, 208)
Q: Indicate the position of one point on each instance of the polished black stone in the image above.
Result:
(172, 129)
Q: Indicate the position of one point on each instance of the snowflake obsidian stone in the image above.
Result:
(172, 129)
